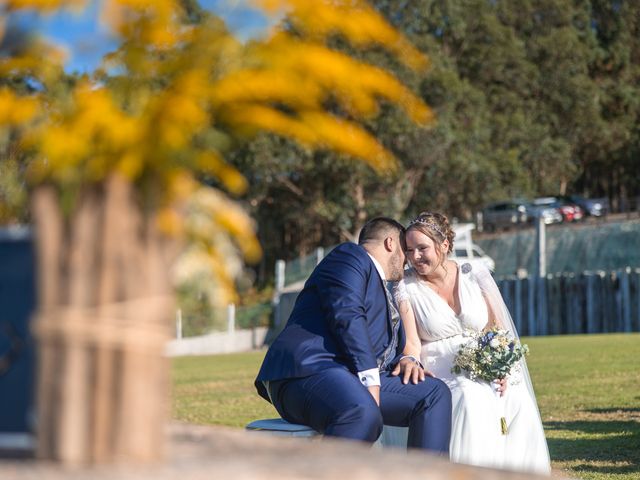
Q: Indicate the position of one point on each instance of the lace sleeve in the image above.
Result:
(400, 293)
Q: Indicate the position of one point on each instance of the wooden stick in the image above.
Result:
(49, 234)
(105, 391)
(75, 407)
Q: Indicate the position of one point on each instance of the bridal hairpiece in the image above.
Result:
(428, 224)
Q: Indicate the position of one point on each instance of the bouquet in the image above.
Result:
(490, 355)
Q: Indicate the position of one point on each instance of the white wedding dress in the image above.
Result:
(476, 436)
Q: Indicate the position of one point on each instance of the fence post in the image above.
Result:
(603, 304)
(319, 254)
(541, 248)
(554, 303)
(626, 299)
(636, 275)
(518, 303)
(531, 304)
(609, 309)
(541, 278)
(279, 283)
(280, 275)
(543, 310)
(577, 309)
(590, 302)
(231, 318)
(179, 323)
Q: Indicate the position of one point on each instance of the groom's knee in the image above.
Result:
(360, 422)
(438, 394)
(442, 391)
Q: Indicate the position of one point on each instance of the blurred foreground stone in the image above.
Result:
(198, 452)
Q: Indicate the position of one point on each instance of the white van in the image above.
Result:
(465, 251)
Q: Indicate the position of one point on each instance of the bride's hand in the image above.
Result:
(501, 386)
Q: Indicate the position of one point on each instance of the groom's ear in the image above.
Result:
(388, 244)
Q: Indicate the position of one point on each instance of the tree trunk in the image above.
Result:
(104, 308)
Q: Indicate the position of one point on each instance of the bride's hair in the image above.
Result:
(435, 226)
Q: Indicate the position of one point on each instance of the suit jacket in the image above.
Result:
(341, 319)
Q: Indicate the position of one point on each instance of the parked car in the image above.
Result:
(473, 255)
(549, 211)
(466, 251)
(570, 211)
(595, 207)
(504, 215)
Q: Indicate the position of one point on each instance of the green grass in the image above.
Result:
(588, 389)
(218, 390)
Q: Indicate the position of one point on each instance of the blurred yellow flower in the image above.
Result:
(213, 164)
(43, 4)
(15, 110)
(175, 95)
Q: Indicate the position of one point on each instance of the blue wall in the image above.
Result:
(17, 301)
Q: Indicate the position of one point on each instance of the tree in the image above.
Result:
(116, 163)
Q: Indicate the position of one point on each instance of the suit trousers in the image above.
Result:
(335, 403)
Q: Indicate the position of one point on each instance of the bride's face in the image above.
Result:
(423, 254)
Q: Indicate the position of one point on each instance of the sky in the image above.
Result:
(85, 40)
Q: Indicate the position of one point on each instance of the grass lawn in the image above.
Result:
(588, 389)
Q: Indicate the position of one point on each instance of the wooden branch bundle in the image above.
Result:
(105, 304)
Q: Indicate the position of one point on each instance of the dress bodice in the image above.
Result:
(435, 318)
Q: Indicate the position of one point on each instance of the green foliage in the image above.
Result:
(586, 388)
(532, 98)
(201, 314)
(13, 193)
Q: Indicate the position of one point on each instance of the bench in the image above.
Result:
(391, 437)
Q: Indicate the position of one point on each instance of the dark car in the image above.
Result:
(595, 207)
(504, 215)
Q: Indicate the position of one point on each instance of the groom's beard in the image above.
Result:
(396, 266)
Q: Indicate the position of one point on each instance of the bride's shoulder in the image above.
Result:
(472, 272)
(466, 270)
(409, 276)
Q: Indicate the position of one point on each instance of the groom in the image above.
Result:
(337, 365)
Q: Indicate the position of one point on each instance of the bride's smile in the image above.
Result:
(422, 253)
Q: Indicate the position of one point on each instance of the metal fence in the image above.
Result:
(191, 324)
(300, 268)
(570, 248)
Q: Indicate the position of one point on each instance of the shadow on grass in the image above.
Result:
(615, 442)
(614, 410)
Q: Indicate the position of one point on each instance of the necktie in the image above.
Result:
(390, 352)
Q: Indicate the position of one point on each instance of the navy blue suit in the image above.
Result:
(339, 326)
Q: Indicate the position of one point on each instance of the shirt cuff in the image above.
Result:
(369, 378)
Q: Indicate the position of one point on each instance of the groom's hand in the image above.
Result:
(410, 370)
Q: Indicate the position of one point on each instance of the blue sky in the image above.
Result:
(86, 40)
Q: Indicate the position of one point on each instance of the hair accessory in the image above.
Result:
(428, 224)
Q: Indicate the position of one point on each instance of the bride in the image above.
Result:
(438, 300)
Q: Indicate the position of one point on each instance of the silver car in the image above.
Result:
(546, 208)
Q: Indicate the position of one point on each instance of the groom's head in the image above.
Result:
(383, 237)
